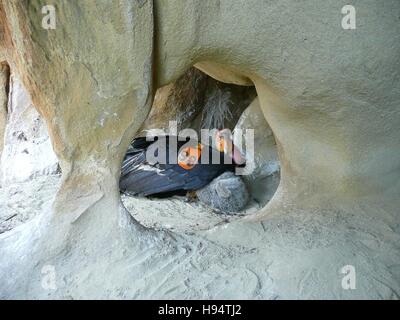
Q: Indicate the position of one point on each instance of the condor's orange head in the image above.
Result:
(188, 157)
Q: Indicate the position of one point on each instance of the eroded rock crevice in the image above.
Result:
(4, 87)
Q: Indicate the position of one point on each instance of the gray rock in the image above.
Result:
(227, 193)
(263, 179)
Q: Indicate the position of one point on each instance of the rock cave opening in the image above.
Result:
(198, 101)
(195, 100)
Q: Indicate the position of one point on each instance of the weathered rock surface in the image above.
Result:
(27, 147)
(262, 160)
(4, 87)
(330, 96)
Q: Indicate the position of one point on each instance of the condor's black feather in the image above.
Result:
(139, 177)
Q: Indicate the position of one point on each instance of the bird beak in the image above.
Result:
(192, 156)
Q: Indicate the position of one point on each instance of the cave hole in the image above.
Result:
(197, 101)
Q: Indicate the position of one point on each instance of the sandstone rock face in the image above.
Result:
(264, 160)
(308, 80)
(27, 147)
(91, 79)
(330, 96)
(93, 95)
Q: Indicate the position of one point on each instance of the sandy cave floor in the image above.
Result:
(293, 254)
(20, 202)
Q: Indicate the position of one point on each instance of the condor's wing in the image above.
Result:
(135, 155)
(149, 179)
(142, 178)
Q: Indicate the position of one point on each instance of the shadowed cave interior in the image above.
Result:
(197, 101)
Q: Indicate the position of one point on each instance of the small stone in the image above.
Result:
(226, 193)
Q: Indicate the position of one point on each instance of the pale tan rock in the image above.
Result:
(93, 95)
(317, 95)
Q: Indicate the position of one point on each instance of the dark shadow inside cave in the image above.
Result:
(197, 101)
